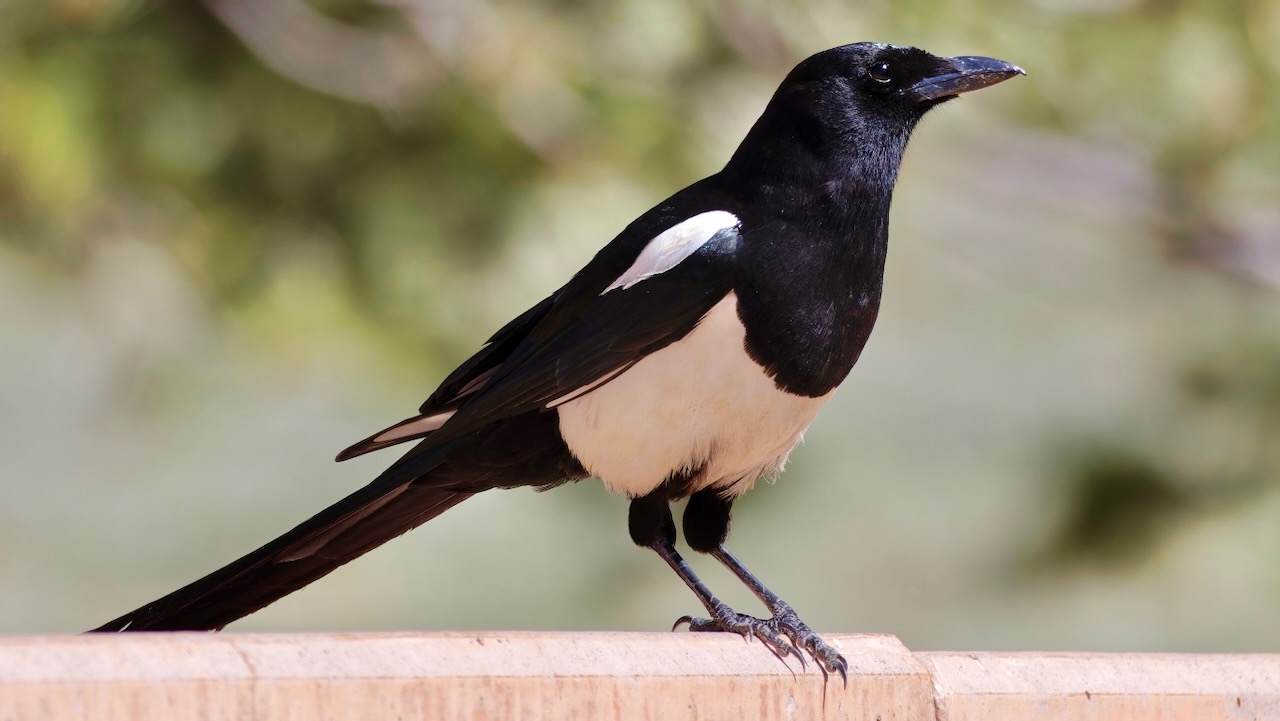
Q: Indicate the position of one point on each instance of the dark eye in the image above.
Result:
(881, 73)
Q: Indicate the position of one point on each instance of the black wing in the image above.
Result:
(579, 334)
(608, 335)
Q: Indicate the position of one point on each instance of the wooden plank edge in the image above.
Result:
(463, 676)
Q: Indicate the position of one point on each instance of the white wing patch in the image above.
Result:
(673, 245)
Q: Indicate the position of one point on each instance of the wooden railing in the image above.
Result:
(601, 677)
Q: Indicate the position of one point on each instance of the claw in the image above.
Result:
(827, 658)
(784, 635)
(775, 643)
(843, 667)
(782, 655)
(748, 627)
(790, 643)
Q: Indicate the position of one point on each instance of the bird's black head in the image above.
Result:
(846, 113)
(890, 81)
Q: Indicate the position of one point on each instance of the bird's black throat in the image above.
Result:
(812, 267)
(808, 295)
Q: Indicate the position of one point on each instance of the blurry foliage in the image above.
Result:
(166, 122)
(1119, 507)
(396, 139)
(1218, 452)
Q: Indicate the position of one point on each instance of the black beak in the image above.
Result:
(962, 75)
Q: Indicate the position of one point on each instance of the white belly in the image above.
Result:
(698, 403)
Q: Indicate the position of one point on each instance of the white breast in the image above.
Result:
(699, 402)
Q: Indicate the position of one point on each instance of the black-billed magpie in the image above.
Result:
(684, 361)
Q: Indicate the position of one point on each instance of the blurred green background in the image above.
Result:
(237, 236)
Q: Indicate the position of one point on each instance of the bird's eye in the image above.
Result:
(881, 73)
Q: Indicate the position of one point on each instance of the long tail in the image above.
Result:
(391, 505)
(430, 479)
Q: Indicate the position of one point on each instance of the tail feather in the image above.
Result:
(386, 508)
(434, 476)
(419, 426)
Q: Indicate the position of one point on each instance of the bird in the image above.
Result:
(685, 360)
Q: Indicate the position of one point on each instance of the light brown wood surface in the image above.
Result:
(1110, 687)
(600, 676)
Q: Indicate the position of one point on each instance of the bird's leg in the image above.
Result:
(651, 526)
(724, 618)
(706, 526)
(784, 618)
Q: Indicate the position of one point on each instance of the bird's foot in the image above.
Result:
(786, 622)
(726, 620)
(784, 634)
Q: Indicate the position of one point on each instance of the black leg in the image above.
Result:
(785, 620)
(723, 618)
(649, 520)
(706, 525)
(650, 524)
(706, 521)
